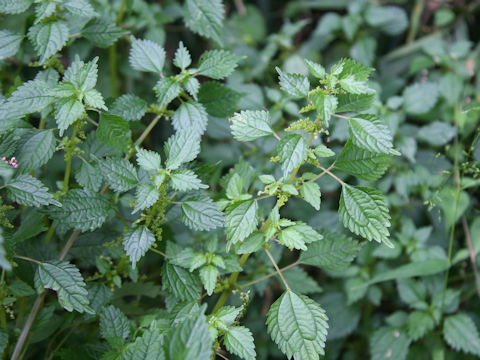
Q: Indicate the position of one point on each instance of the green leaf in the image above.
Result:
(192, 85)
(130, 107)
(67, 111)
(205, 17)
(66, 280)
(326, 105)
(315, 69)
(36, 150)
(363, 164)
(149, 160)
(149, 346)
(354, 86)
(293, 150)
(219, 100)
(460, 332)
(4, 263)
(29, 191)
(94, 98)
(181, 148)
(228, 314)
(354, 102)
(420, 98)
(296, 236)
(44, 10)
(351, 68)
(334, 252)
(32, 96)
(240, 220)
(182, 59)
(294, 84)
(389, 343)
(250, 125)
(190, 116)
(208, 275)
(419, 324)
(14, 6)
(120, 174)
(217, 64)
(184, 180)
(48, 38)
(146, 55)
(298, 326)
(238, 340)
(82, 75)
(365, 213)
(136, 243)
(114, 131)
(189, 339)
(146, 196)
(310, 192)
(412, 292)
(300, 281)
(102, 33)
(322, 151)
(201, 213)
(9, 43)
(114, 323)
(251, 244)
(437, 133)
(82, 210)
(184, 285)
(370, 133)
(166, 90)
(81, 8)
(89, 176)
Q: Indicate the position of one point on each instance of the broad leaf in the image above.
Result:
(9, 43)
(114, 131)
(190, 116)
(149, 346)
(354, 102)
(48, 38)
(294, 84)
(183, 284)
(146, 55)
(293, 150)
(389, 343)
(120, 174)
(460, 332)
(114, 324)
(181, 148)
(67, 111)
(310, 192)
(29, 191)
(326, 105)
(145, 196)
(129, 106)
(240, 220)
(136, 243)
(208, 275)
(296, 236)
(420, 98)
(250, 125)
(166, 90)
(217, 64)
(102, 33)
(238, 340)
(37, 148)
(149, 160)
(419, 324)
(205, 17)
(14, 6)
(184, 180)
(201, 213)
(182, 59)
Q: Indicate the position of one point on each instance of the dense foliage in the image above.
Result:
(199, 179)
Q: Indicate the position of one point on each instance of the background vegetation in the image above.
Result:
(145, 244)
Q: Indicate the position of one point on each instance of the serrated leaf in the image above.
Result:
(437, 133)
(326, 105)
(460, 332)
(310, 192)
(420, 98)
(166, 90)
(218, 99)
(190, 116)
(48, 38)
(251, 244)
(89, 176)
(114, 323)
(217, 64)
(81, 8)
(240, 220)
(250, 125)
(102, 33)
(9, 43)
(32, 96)
(205, 17)
(82, 75)
(130, 107)
(364, 164)
(189, 339)
(354, 102)
(44, 10)
(365, 213)
(334, 252)
(298, 326)
(37, 149)
(370, 133)
(149, 160)
(184, 180)
(114, 131)
(201, 213)
(297, 235)
(322, 151)
(145, 197)
(182, 58)
(14, 6)
(315, 69)
(300, 281)
(208, 275)
(238, 340)
(181, 148)
(29, 191)
(66, 280)
(419, 324)
(149, 346)
(412, 292)
(146, 55)
(294, 84)
(192, 85)
(353, 86)
(389, 343)
(350, 68)
(136, 243)
(67, 111)
(228, 314)
(82, 210)
(293, 150)
(184, 285)
(94, 99)
(119, 174)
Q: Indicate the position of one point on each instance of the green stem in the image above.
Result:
(50, 233)
(277, 268)
(43, 120)
(269, 275)
(27, 259)
(415, 20)
(112, 59)
(331, 174)
(68, 158)
(148, 129)
(295, 171)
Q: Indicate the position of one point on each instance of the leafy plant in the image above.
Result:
(220, 192)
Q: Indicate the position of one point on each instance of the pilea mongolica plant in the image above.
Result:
(176, 184)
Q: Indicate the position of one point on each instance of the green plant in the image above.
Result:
(197, 214)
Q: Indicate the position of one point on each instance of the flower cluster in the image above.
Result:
(12, 162)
